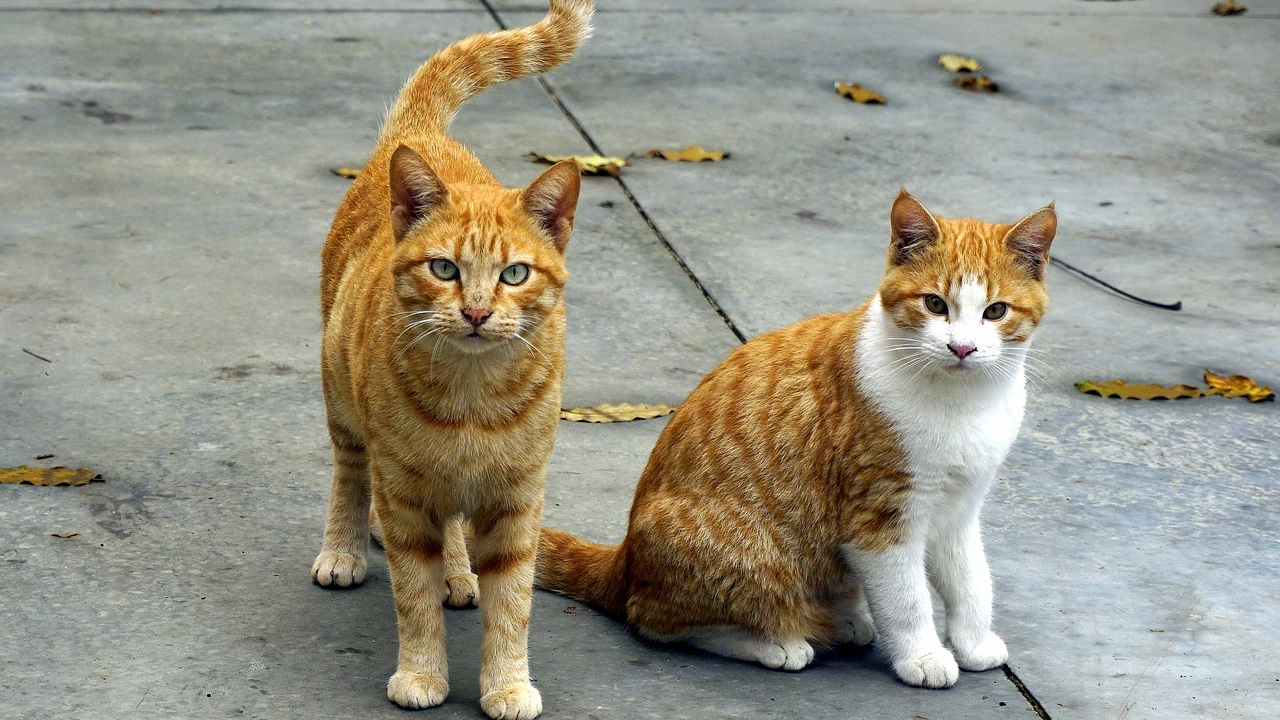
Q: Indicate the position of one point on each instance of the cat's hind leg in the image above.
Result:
(342, 559)
(462, 587)
(741, 644)
(853, 618)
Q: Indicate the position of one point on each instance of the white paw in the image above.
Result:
(856, 628)
(933, 669)
(462, 590)
(415, 691)
(787, 655)
(987, 654)
(518, 702)
(338, 568)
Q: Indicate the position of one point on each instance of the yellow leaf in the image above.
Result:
(48, 476)
(959, 63)
(616, 413)
(1230, 7)
(588, 164)
(859, 94)
(693, 153)
(977, 83)
(346, 172)
(1237, 386)
(1123, 390)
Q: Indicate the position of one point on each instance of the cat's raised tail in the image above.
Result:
(470, 66)
(583, 570)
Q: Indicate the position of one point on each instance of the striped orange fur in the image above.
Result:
(442, 363)
(787, 473)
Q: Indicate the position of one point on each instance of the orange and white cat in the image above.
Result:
(838, 466)
(442, 362)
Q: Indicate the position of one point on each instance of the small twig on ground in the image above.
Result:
(37, 356)
(1174, 307)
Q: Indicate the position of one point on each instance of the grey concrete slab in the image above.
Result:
(1132, 543)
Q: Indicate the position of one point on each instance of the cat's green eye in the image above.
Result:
(444, 269)
(515, 274)
(935, 304)
(995, 311)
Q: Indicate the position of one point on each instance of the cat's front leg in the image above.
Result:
(898, 593)
(506, 546)
(415, 556)
(958, 569)
(342, 559)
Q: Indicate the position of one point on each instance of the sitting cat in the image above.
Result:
(442, 362)
(839, 464)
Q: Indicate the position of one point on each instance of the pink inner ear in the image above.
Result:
(416, 191)
(1031, 237)
(553, 200)
(913, 227)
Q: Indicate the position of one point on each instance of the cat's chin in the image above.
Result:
(476, 344)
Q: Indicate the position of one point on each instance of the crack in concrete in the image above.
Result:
(635, 202)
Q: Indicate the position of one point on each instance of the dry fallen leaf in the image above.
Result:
(1230, 7)
(346, 172)
(588, 164)
(959, 63)
(859, 94)
(693, 153)
(977, 83)
(616, 413)
(48, 476)
(65, 535)
(1136, 391)
(571, 610)
(1237, 386)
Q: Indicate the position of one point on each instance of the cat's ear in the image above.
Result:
(552, 200)
(416, 191)
(914, 228)
(1029, 240)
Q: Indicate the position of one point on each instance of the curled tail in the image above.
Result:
(583, 570)
(470, 66)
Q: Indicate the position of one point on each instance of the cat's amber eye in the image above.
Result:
(444, 269)
(995, 311)
(515, 274)
(935, 304)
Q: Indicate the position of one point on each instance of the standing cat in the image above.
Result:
(837, 464)
(443, 355)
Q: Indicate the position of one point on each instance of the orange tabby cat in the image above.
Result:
(442, 297)
(837, 464)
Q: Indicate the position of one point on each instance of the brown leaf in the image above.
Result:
(65, 535)
(977, 83)
(43, 456)
(587, 164)
(1237, 386)
(1230, 7)
(622, 412)
(346, 172)
(693, 153)
(859, 94)
(48, 476)
(1136, 391)
(955, 62)
(571, 610)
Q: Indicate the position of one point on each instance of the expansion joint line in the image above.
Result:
(635, 202)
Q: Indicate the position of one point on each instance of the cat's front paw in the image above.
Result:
(932, 669)
(790, 655)
(518, 702)
(338, 569)
(987, 654)
(415, 691)
(462, 590)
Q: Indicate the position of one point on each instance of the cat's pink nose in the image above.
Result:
(961, 350)
(477, 316)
